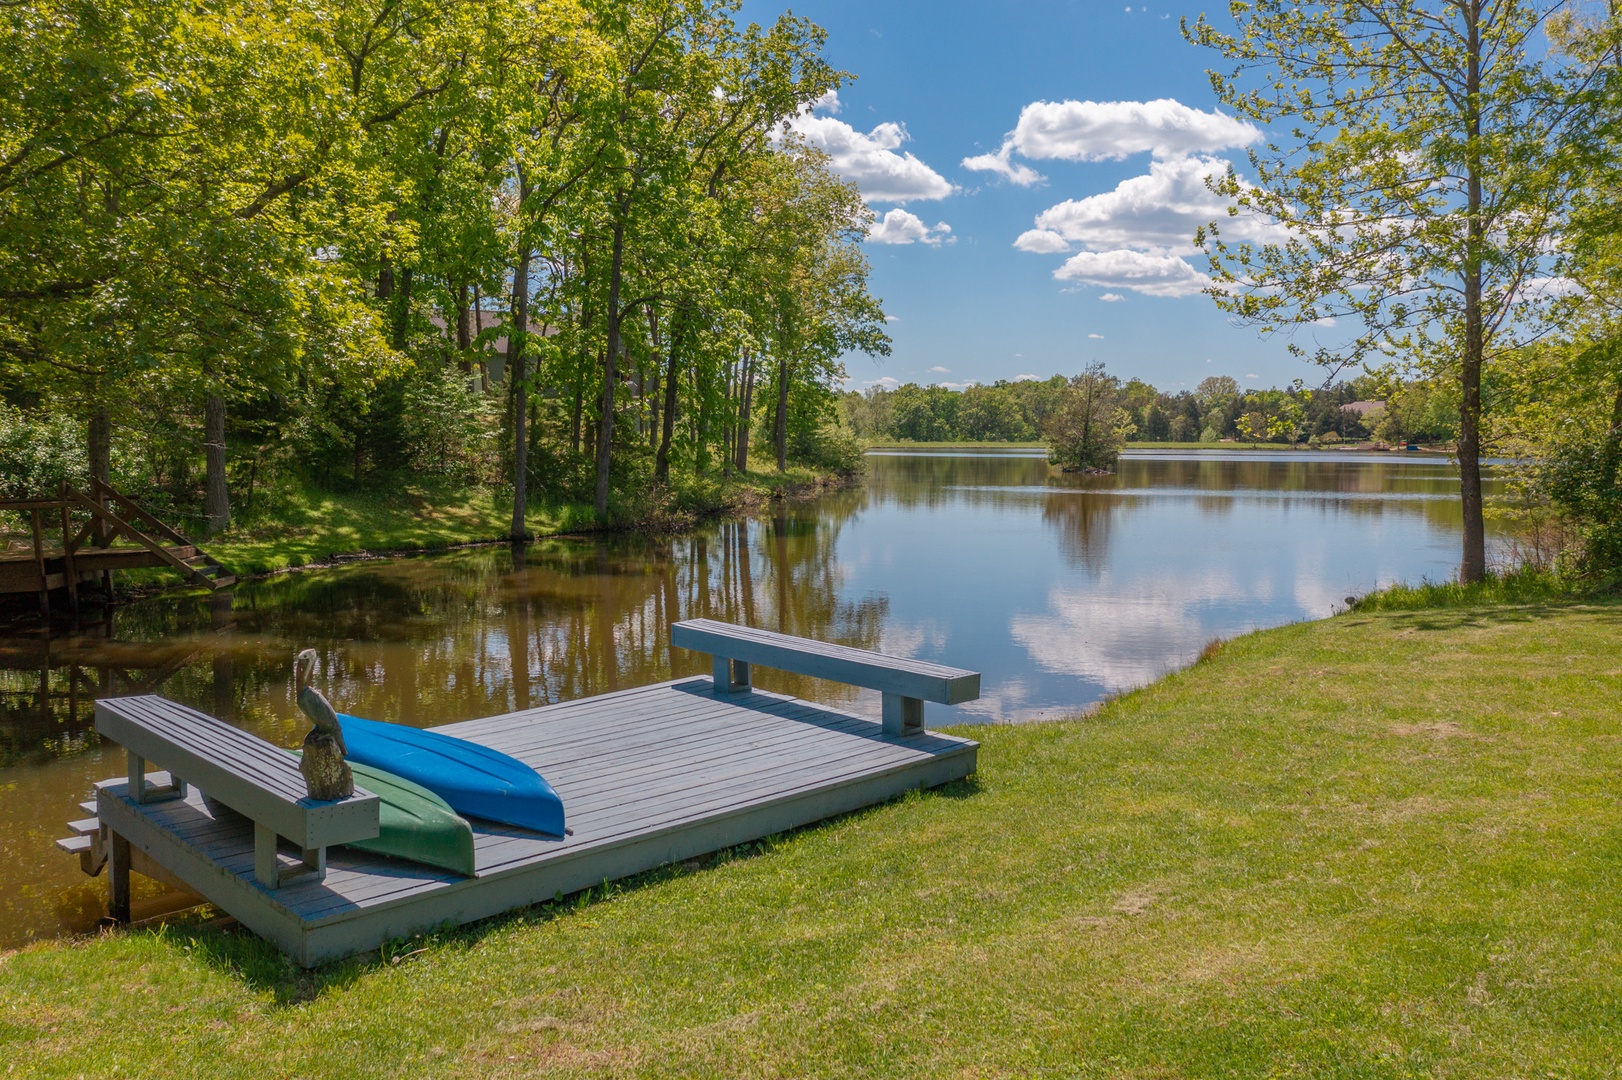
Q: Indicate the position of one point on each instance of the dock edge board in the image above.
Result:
(361, 929)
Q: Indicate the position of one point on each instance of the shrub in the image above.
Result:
(38, 451)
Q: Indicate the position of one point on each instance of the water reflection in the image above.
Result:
(1060, 589)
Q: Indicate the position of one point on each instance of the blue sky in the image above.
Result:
(1128, 127)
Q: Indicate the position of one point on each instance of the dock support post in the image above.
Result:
(118, 880)
(265, 868)
(731, 676)
(903, 715)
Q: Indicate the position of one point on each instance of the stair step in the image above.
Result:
(74, 845)
(89, 806)
(85, 826)
(225, 582)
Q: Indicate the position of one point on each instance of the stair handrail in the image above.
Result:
(99, 486)
(120, 525)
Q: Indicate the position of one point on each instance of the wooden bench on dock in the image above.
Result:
(905, 684)
(244, 772)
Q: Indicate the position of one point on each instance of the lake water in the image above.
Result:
(1060, 590)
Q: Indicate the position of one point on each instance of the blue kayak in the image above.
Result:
(475, 780)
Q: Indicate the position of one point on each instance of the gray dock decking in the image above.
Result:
(648, 776)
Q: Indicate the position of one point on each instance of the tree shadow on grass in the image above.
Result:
(1462, 618)
(235, 950)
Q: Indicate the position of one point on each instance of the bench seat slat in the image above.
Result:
(839, 663)
(239, 769)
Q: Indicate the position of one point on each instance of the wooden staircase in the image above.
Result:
(113, 533)
(171, 548)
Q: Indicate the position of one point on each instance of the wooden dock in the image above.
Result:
(100, 533)
(648, 777)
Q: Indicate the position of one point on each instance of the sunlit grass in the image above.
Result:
(1379, 845)
(1525, 585)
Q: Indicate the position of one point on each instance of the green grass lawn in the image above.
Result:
(1380, 845)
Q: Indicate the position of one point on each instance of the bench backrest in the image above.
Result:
(260, 781)
(839, 663)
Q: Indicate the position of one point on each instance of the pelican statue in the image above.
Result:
(325, 770)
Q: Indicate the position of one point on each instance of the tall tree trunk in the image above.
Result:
(654, 398)
(464, 331)
(661, 459)
(216, 498)
(780, 420)
(400, 313)
(517, 383)
(478, 328)
(574, 418)
(100, 439)
(746, 394)
(605, 426)
(1473, 564)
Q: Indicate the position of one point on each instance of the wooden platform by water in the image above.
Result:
(648, 776)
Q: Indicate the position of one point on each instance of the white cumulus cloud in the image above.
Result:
(901, 227)
(1159, 211)
(869, 160)
(1027, 378)
(1096, 337)
(1144, 272)
(1000, 163)
(938, 370)
(1112, 297)
(1112, 130)
(1041, 241)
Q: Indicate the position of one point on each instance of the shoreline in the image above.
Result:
(253, 557)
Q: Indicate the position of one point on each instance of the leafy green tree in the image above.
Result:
(1091, 423)
(1419, 189)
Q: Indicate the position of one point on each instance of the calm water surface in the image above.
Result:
(1060, 590)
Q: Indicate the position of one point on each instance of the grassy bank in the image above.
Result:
(1380, 845)
(300, 525)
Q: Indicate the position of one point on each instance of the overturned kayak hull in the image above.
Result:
(475, 780)
(414, 824)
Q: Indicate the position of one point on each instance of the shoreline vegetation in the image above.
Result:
(1191, 447)
(1356, 846)
(312, 527)
(304, 526)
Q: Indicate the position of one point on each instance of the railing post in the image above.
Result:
(903, 715)
(265, 868)
(731, 676)
(137, 778)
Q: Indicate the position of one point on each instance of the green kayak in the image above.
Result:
(414, 823)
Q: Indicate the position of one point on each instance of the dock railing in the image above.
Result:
(905, 684)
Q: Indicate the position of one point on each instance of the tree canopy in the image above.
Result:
(559, 245)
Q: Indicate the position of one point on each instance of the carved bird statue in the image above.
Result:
(326, 773)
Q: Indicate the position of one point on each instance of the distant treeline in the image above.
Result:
(1216, 410)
